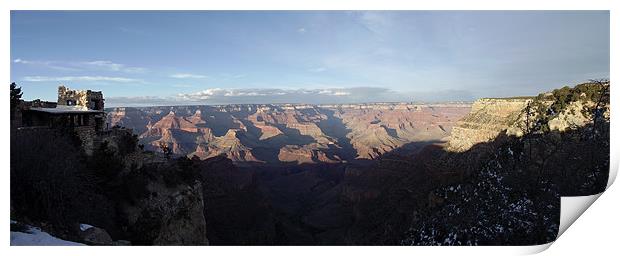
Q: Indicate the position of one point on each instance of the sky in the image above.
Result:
(219, 57)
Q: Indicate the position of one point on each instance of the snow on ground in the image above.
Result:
(35, 236)
(84, 227)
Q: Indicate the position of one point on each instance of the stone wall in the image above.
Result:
(87, 135)
(88, 99)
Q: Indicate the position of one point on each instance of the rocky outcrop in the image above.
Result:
(490, 117)
(181, 134)
(570, 118)
(169, 122)
(267, 131)
(293, 153)
(95, 235)
(309, 129)
(168, 216)
(196, 119)
(305, 154)
(228, 145)
(487, 119)
(374, 141)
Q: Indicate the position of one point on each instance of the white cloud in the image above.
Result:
(46, 64)
(100, 65)
(136, 70)
(111, 66)
(301, 30)
(81, 78)
(278, 95)
(105, 64)
(274, 95)
(187, 75)
(334, 92)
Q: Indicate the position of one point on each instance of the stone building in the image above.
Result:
(85, 99)
(76, 111)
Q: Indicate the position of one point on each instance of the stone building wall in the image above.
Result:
(88, 99)
(87, 135)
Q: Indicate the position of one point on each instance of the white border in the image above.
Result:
(605, 207)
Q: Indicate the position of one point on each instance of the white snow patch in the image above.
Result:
(84, 227)
(35, 236)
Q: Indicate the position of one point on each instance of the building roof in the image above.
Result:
(62, 109)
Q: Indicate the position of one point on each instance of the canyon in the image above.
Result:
(295, 173)
(349, 174)
(290, 133)
(323, 174)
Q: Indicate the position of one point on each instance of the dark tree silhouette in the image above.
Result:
(46, 176)
(16, 95)
(598, 110)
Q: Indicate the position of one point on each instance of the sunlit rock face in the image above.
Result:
(290, 133)
(488, 117)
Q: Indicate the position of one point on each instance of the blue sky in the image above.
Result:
(214, 57)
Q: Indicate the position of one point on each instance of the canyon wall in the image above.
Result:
(490, 117)
(487, 119)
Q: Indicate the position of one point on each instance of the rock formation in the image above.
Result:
(169, 216)
(488, 117)
(290, 132)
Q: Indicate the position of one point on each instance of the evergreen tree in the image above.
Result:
(16, 95)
